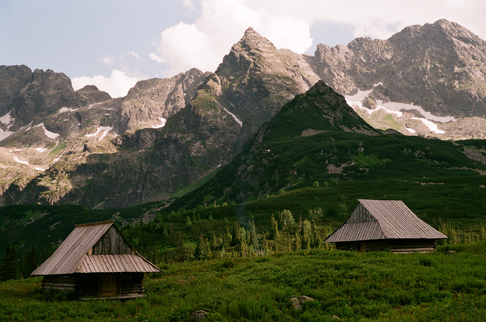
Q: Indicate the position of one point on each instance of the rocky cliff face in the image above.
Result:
(176, 130)
(151, 102)
(440, 67)
(257, 80)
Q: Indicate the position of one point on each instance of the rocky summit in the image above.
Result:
(167, 136)
(436, 71)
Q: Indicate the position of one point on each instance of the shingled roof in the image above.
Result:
(383, 219)
(73, 255)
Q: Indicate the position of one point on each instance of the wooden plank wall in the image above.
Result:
(111, 243)
(392, 245)
(59, 282)
(360, 214)
(131, 283)
(413, 245)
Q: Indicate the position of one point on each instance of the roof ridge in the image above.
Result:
(96, 223)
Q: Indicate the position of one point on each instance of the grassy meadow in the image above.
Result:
(353, 286)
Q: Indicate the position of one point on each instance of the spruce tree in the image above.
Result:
(274, 233)
(188, 221)
(306, 234)
(297, 242)
(199, 252)
(227, 238)
(253, 237)
(236, 235)
(207, 249)
(32, 260)
(9, 267)
(287, 218)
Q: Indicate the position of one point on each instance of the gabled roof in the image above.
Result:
(72, 255)
(383, 219)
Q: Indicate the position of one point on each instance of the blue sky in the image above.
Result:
(114, 43)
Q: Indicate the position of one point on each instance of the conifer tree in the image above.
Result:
(188, 221)
(274, 233)
(306, 234)
(9, 266)
(207, 249)
(227, 238)
(32, 260)
(287, 218)
(297, 242)
(300, 222)
(253, 237)
(236, 235)
(199, 252)
(245, 235)
(215, 241)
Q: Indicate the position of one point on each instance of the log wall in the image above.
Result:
(59, 282)
(392, 245)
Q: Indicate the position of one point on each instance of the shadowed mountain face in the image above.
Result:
(82, 147)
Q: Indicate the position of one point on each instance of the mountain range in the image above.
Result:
(168, 137)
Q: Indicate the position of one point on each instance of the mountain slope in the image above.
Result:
(205, 120)
(317, 137)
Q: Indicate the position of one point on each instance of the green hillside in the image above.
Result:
(317, 139)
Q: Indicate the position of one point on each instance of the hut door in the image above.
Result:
(109, 285)
(362, 247)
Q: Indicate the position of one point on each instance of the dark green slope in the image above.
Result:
(317, 137)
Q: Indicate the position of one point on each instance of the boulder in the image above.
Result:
(198, 315)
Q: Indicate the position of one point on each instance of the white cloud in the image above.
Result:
(108, 60)
(157, 58)
(117, 85)
(287, 23)
(134, 54)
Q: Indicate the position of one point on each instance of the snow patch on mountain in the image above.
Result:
(40, 169)
(49, 134)
(7, 119)
(65, 109)
(433, 127)
(104, 129)
(427, 115)
(392, 107)
(162, 124)
(234, 116)
(16, 159)
(41, 149)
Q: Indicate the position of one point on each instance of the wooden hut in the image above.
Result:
(96, 260)
(385, 225)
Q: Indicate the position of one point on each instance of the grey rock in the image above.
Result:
(198, 315)
(294, 303)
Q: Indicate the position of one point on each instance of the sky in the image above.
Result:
(115, 43)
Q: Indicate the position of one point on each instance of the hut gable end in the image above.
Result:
(111, 243)
(359, 215)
